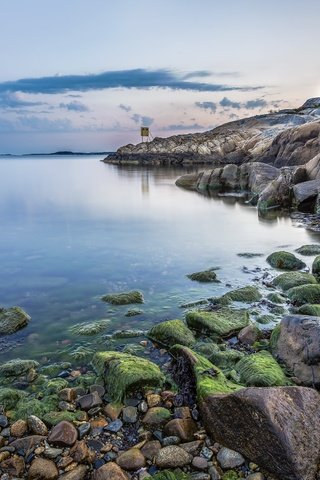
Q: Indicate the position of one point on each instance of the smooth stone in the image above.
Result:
(51, 452)
(26, 445)
(84, 429)
(112, 411)
(114, 426)
(67, 394)
(109, 471)
(64, 434)
(173, 440)
(99, 389)
(91, 400)
(3, 421)
(229, 458)
(36, 425)
(132, 459)
(150, 449)
(214, 474)
(18, 428)
(156, 416)
(192, 447)
(42, 469)
(200, 463)
(182, 428)
(79, 473)
(172, 457)
(130, 414)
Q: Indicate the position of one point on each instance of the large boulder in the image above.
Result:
(313, 168)
(170, 332)
(273, 427)
(12, 319)
(277, 194)
(296, 343)
(218, 323)
(255, 176)
(285, 261)
(306, 191)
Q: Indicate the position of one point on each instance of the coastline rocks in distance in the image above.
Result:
(296, 343)
(12, 319)
(123, 298)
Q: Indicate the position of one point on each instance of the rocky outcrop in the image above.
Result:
(276, 138)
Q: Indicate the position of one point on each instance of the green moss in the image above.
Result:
(33, 406)
(276, 298)
(9, 397)
(17, 367)
(278, 310)
(310, 309)
(53, 418)
(247, 294)
(87, 380)
(55, 385)
(124, 373)
(219, 323)
(205, 276)
(261, 370)
(89, 328)
(170, 333)
(159, 415)
(54, 369)
(226, 360)
(316, 266)
(304, 294)
(124, 298)
(81, 353)
(309, 250)
(206, 348)
(171, 475)
(288, 280)
(285, 261)
(275, 337)
(133, 312)
(265, 319)
(230, 475)
(12, 319)
(128, 333)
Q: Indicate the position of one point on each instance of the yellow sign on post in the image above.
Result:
(144, 131)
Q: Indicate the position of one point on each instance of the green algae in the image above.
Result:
(124, 298)
(285, 261)
(171, 475)
(160, 415)
(304, 294)
(206, 348)
(171, 332)
(17, 367)
(275, 337)
(276, 298)
(55, 385)
(87, 380)
(81, 353)
(52, 418)
(316, 266)
(288, 280)
(54, 369)
(124, 373)
(261, 370)
(206, 276)
(265, 319)
(230, 475)
(12, 319)
(247, 294)
(218, 323)
(310, 309)
(9, 397)
(89, 328)
(133, 312)
(33, 406)
(227, 359)
(309, 250)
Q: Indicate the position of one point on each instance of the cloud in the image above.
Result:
(212, 107)
(126, 108)
(142, 120)
(75, 106)
(11, 100)
(35, 123)
(226, 102)
(257, 103)
(137, 78)
(182, 126)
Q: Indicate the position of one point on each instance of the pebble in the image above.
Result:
(206, 453)
(156, 416)
(214, 474)
(200, 476)
(150, 449)
(43, 469)
(3, 421)
(132, 459)
(65, 406)
(79, 473)
(36, 425)
(143, 407)
(229, 458)
(67, 394)
(172, 457)
(99, 389)
(84, 429)
(91, 400)
(64, 434)
(110, 471)
(153, 400)
(114, 426)
(112, 411)
(200, 463)
(130, 414)
(51, 452)
(173, 440)
(182, 428)
(255, 476)
(18, 428)
(182, 412)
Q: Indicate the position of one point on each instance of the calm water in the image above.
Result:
(73, 229)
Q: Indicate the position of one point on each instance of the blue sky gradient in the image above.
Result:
(81, 75)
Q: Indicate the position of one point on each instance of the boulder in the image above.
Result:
(205, 276)
(296, 343)
(309, 250)
(229, 177)
(219, 323)
(285, 261)
(123, 298)
(306, 191)
(313, 168)
(17, 367)
(64, 434)
(109, 471)
(170, 332)
(132, 459)
(273, 427)
(255, 176)
(304, 294)
(288, 280)
(261, 370)
(172, 457)
(277, 194)
(12, 319)
(42, 469)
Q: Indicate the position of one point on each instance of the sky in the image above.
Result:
(84, 75)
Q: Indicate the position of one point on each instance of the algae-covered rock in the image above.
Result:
(275, 334)
(128, 334)
(9, 397)
(310, 309)
(12, 319)
(230, 475)
(17, 367)
(288, 280)
(54, 369)
(81, 353)
(226, 359)
(304, 294)
(170, 475)
(32, 406)
(124, 373)
(316, 266)
(205, 276)
(89, 328)
(261, 370)
(276, 298)
(219, 323)
(133, 312)
(53, 418)
(172, 332)
(285, 261)
(55, 385)
(247, 294)
(309, 250)
(265, 319)
(124, 298)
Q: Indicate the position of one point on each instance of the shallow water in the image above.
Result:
(73, 229)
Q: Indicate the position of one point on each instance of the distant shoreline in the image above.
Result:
(52, 153)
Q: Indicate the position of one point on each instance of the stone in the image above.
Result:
(3, 421)
(64, 434)
(306, 191)
(26, 445)
(42, 469)
(173, 440)
(153, 400)
(200, 463)
(296, 343)
(109, 471)
(36, 425)
(184, 428)
(67, 394)
(150, 449)
(249, 335)
(130, 414)
(12, 319)
(285, 261)
(192, 447)
(80, 451)
(18, 428)
(51, 452)
(255, 476)
(112, 410)
(13, 466)
(84, 429)
(132, 459)
(90, 400)
(273, 427)
(229, 458)
(78, 473)
(172, 457)
(156, 416)
(182, 412)
(17, 367)
(206, 276)
(170, 332)
(214, 474)
(124, 298)
(114, 426)
(218, 323)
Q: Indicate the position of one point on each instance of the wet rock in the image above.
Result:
(64, 434)
(255, 476)
(42, 469)
(182, 412)
(219, 323)
(112, 410)
(17, 367)
(129, 414)
(109, 471)
(99, 389)
(285, 261)
(80, 451)
(132, 459)
(153, 400)
(51, 452)
(13, 466)
(124, 298)
(67, 394)
(200, 463)
(84, 429)
(78, 473)
(249, 335)
(214, 474)
(36, 425)
(150, 449)
(206, 276)
(156, 416)
(173, 440)
(170, 332)
(229, 458)
(12, 319)
(182, 428)
(172, 457)
(192, 447)
(91, 400)
(26, 445)
(3, 421)
(18, 428)
(114, 426)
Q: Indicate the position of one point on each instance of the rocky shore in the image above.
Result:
(228, 391)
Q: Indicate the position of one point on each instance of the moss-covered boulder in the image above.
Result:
(81, 353)
(33, 406)
(124, 298)
(247, 294)
(285, 261)
(12, 319)
(316, 266)
(304, 294)
(89, 328)
(52, 418)
(55, 385)
(170, 333)
(276, 298)
(218, 323)
(309, 250)
(261, 370)
(265, 319)
(310, 309)
(54, 369)
(205, 276)
(288, 280)
(9, 397)
(226, 359)
(124, 373)
(17, 367)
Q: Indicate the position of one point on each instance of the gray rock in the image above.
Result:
(129, 414)
(306, 191)
(12, 319)
(214, 474)
(114, 426)
(36, 425)
(229, 458)
(172, 457)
